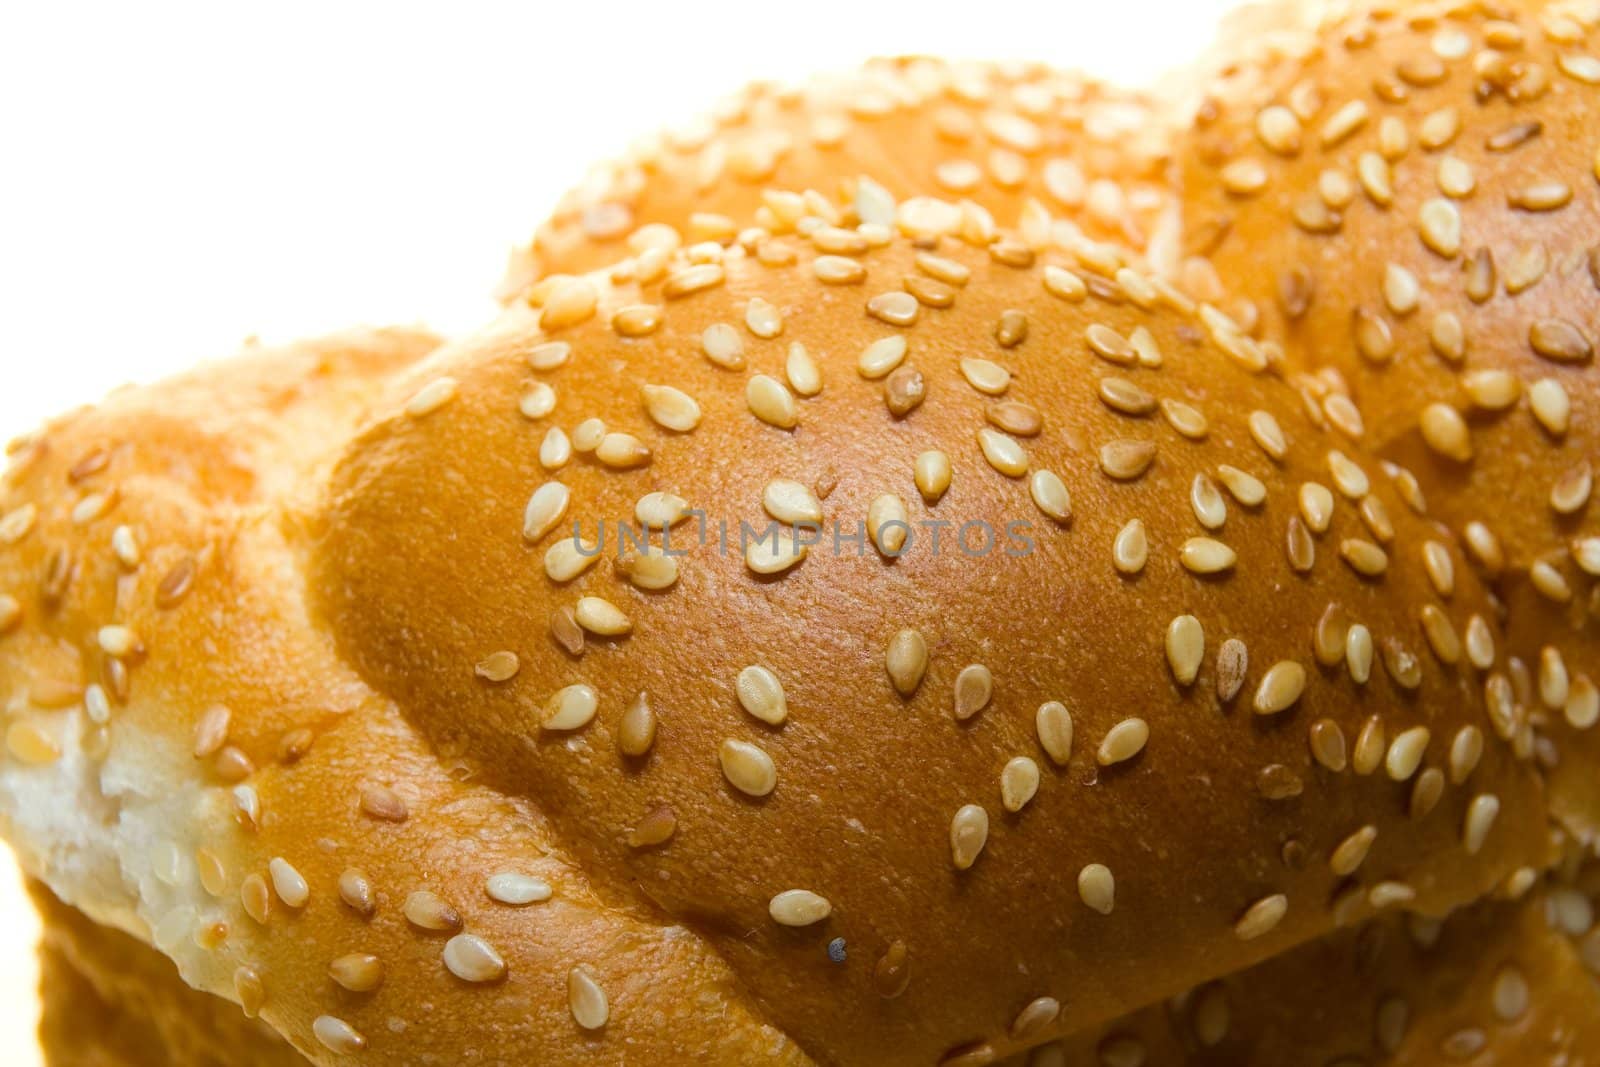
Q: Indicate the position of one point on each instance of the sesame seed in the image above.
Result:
(538, 401)
(1131, 548)
(1553, 678)
(586, 999)
(1343, 122)
(1019, 781)
(1439, 128)
(1364, 557)
(1126, 459)
(1559, 341)
(771, 402)
(1260, 918)
(1123, 741)
(932, 474)
(211, 731)
(1203, 555)
(888, 524)
(17, 524)
(774, 554)
(692, 279)
(1110, 345)
(761, 694)
(359, 972)
(805, 378)
(969, 832)
(1064, 284)
(798, 907)
(985, 375)
(660, 510)
(381, 802)
(355, 890)
(1481, 814)
(568, 558)
(791, 502)
(1405, 753)
(669, 408)
(881, 357)
(288, 883)
(1266, 432)
(555, 450)
(1328, 745)
(1097, 888)
(545, 510)
(1350, 479)
(601, 617)
(1038, 1014)
(472, 959)
(516, 889)
(723, 346)
(431, 397)
(1549, 582)
(1350, 853)
(1279, 130)
(762, 319)
(656, 827)
(117, 641)
(1582, 708)
(1540, 196)
(428, 911)
(28, 743)
(569, 708)
(894, 308)
(255, 898)
(337, 1036)
(747, 767)
(1369, 748)
(1244, 177)
(1570, 492)
(1466, 748)
(838, 270)
(1050, 494)
(1186, 647)
(1445, 431)
(1510, 993)
(1280, 687)
(1441, 634)
(1005, 454)
(1440, 226)
(974, 689)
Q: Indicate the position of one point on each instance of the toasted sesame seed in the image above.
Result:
(337, 1036)
(1441, 634)
(985, 375)
(895, 308)
(1328, 745)
(516, 889)
(1203, 555)
(431, 397)
(1186, 420)
(1369, 748)
(355, 889)
(568, 558)
(569, 708)
(1364, 557)
(1097, 888)
(429, 911)
(838, 270)
(1570, 492)
(1050, 494)
(1260, 918)
(747, 767)
(586, 999)
(1352, 852)
(969, 832)
(1209, 508)
(1110, 345)
(359, 972)
(1005, 454)
(1445, 431)
(1481, 814)
(1559, 341)
(1280, 687)
(601, 617)
(655, 827)
(1405, 753)
(798, 907)
(907, 661)
(381, 802)
(771, 402)
(775, 553)
(791, 502)
(1549, 582)
(1126, 459)
(932, 474)
(1554, 681)
(881, 357)
(1131, 548)
(1582, 708)
(1123, 741)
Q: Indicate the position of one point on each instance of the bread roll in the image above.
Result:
(1010, 139)
(1411, 199)
(429, 706)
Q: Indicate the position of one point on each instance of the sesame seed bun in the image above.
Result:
(447, 784)
(1011, 139)
(1410, 199)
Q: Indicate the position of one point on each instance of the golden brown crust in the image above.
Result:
(1001, 135)
(1412, 198)
(868, 782)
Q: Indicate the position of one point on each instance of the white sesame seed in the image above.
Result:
(600, 616)
(775, 553)
(1003, 452)
(798, 907)
(932, 474)
(117, 641)
(671, 408)
(555, 450)
(1050, 495)
(549, 355)
(1186, 648)
(472, 959)
(1203, 555)
(888, 524)
(1440, 225)
(586, 999)
(1123, 741)
(1261, 917)
(1405, 753)
(1350, 853)
(1097, 888)
(569, 708)
(986, 376)
(1280, 687)
(747, 767)
(337, 1036)
(431, 397)
(568, 558)
(1131, 548)
(516, 889)
(546, 508)
(761, 694)
(805, 378)
(974, 689)
(723, 346)
(1019, 781)
(288, 883)
(1481, 814)
(762, 318)
(881, 357)
(771, 402)
(969, 832)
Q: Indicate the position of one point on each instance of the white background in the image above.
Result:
(174, 178)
